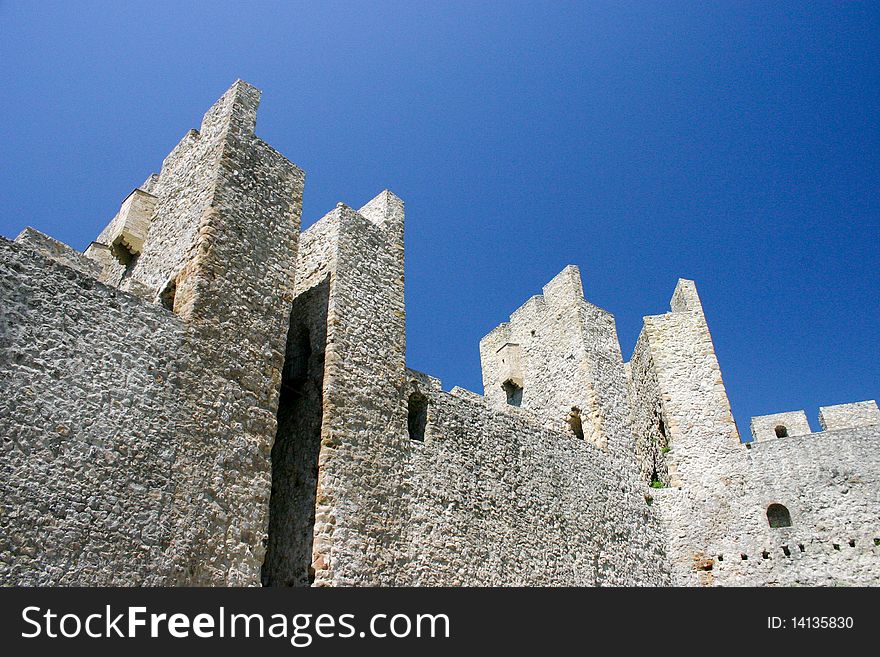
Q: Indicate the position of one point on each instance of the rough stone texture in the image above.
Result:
(564, 354)
(498, 499)
(57, 251)
(129, 228)
(844, 416)
(297, 443)
(207, 396)
(714, 492)
(362, 503)
(90, 414)
(780, 425)
(141, 454)
(832, 491)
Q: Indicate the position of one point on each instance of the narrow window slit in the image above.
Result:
(168, 295)
(417, 416)
(574, 421)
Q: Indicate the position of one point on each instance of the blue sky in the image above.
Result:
(732, 143)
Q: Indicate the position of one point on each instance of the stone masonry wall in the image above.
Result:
(229, 404)
(224, 233)
(567, 362)
(392, 510)
(297, 444)
(91, 418)
(830, 484)
(361, 513)
(498, 499)
(58, 251)
(686, 429)
(648, 421)
(716, 492)
(844, 416)
(791, 423)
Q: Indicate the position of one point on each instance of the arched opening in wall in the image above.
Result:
(514, 393)
(417, 416)
(661, 427)
(781, 431)
(574, 421)
(778, 516)
(290, 559)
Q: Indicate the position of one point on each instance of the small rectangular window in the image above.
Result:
(417, 416)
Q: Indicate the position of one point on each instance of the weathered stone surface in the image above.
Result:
(207, 396)
(715, 493)
(780, 425)
(845, 416)
(139, 436)
(57, 251)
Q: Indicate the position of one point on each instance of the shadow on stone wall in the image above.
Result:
(297, 444)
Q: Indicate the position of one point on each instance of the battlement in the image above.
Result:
(685, 298)
(565, 289)
(845, 416)
(57, 251)
(794, 423)
(681, 413)
(780, 425)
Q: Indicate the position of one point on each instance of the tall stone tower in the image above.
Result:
(559, 357)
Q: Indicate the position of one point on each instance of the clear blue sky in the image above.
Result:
(733, 143)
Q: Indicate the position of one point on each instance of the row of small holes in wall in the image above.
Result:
(778, 516)
(786, 551)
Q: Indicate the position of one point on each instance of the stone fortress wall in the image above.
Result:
(140, 379)
(714, 493)
(208, 396)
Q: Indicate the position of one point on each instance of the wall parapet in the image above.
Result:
(831, 418)
(847, 416)
(779, 425)
(58, 251)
